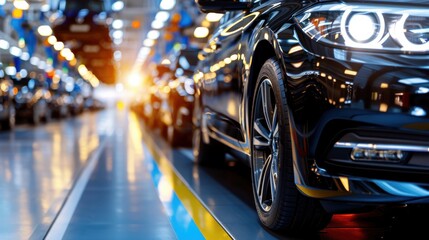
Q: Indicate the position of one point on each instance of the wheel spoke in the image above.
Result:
(264, 180)
(266, 102)
(260, 144)
(273, 176)
(274, 122)
(261, 130)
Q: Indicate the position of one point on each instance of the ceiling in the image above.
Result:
(137, 16)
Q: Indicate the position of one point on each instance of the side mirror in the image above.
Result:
(221, 6)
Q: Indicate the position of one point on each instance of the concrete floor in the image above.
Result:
(106, 176)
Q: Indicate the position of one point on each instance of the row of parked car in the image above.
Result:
(327, 102)
(32, 99)
(169, 102)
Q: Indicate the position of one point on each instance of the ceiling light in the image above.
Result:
(21, 4)
(149, 42)
(2, 2)
(144, 51)
(201, 32)
(117, 6)
(117, 41)
(65, 52)
(117, 55)
(157, 24)
(70, 57)
(118, 24)
(44, 30)
(15, 51)
(58, 46)
(214, 17)
(42, 65)
(153, 34)
(25, 56)
(34, 60)
(162, 16)
(4, 44)
(52, 39)
(167, 4)
(118, 34)
(45, 8)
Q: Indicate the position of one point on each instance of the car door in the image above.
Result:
(221, 82)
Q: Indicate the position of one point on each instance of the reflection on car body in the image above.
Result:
(327, 101)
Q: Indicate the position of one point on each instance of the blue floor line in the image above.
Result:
(181, 221)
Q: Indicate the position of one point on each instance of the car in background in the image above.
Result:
(158, 91)
(7, 106)
(92, 104)
(60, 101)
(32, 99)
(179, 102)
(327, 101)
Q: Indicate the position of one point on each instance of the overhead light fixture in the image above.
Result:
(117, 55)
(52, 39)
(157, 24)
(15, 51)
(117, 6)
(117, 41)
(42, 65)
(162, 16)
(118, 24)
(59, 46)
(201, 32)
(34, 61)
(44, 30)
(149, 42)
(214, 17)
(45, 8)
(118, 34)
(143, 52)
(21, 4)
(65, 51)
(4, 44)
(2, 2)
(25, 56)
(167, 4)
(153, 34)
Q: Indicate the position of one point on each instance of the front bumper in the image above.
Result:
(378, 98)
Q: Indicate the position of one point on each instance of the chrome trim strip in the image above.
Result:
(382, 146)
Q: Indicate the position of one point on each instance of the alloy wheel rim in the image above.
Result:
(265, 148)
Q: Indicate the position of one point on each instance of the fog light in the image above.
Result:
(365, 154)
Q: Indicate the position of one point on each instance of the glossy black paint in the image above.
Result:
(331, 92)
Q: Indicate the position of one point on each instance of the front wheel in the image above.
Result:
(279, 204)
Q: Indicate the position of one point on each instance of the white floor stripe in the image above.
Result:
(63, 218)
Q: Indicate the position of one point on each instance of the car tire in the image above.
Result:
(279, 204)
(173, 136)
(48, 116)
(9, 122)
(208, 154)
(35, 118)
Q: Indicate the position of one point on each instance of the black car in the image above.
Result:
(327, 101)
(158, 92)
(179, 102)
(32, 99)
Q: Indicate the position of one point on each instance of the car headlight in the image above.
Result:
(366, 26)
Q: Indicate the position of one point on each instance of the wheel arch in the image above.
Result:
(265, 47)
